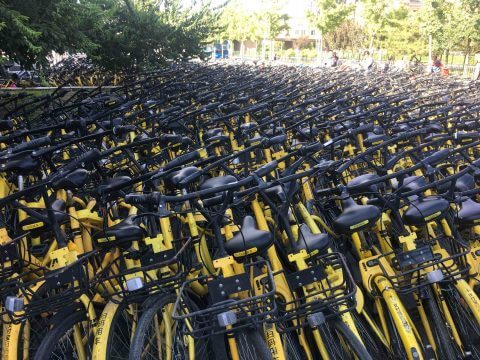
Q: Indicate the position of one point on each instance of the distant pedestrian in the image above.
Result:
(334, 59)
(368, 62)
(14, 79)
(436, 64)
(476, 71)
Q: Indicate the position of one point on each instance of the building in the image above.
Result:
(301, 32)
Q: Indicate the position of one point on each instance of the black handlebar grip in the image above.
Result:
(182, 160)
(123, 129)
(170, 138)
(461, 135)
(267, 168)
(476, 163)
(186, 141)
(309, 149)
(139, 199)
(437, 157)
(212, 106)
(33, 144)
(276, 140)
(89, 157)
(362, 128)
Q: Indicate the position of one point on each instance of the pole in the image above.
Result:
(321, 46)
(430, 48)
(263, 48)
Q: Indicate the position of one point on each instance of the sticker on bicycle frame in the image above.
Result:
(106, 239)
(360, 224)
(433, 216)
(246, 252)
(33, 226)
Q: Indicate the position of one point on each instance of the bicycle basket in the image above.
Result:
(235, 302)
(134, 275)
(51, 291)
(411, 268)
(327, 287)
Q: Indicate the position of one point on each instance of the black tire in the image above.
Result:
(292, 348)
(397, 349)
(251, 345)
(465, 321)
(351, 341)
(331, 342)
(58, 343)
(443, 340)
(39, 326)
(142, 339)
(376, 348)
(120, 333)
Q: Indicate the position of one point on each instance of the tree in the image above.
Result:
(114, 33)
(272, 22)
(349, 35)
(377, 13)
(329, 15)
(34, 28)
(240, 24)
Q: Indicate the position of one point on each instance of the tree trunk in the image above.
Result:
(264, 50)
(465, 59)
(321, 46)
(370, 47)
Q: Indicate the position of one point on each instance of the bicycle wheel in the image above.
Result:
(114, 331)
(445, 346)
(157, 334)
(69, 339)
(251, 345)
(351, 341)
(464, 319)
(370, 340)
(293, 349)
(397, 350)
(24, 339)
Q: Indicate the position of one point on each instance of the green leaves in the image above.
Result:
(239, 23)
(329, 15)
(117, 34)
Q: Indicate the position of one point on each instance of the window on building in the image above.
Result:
(303, 32)
(312, 32)
(297, 32)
